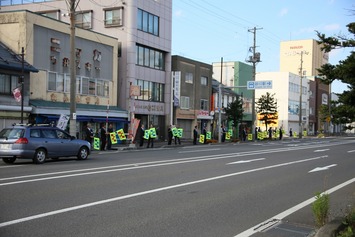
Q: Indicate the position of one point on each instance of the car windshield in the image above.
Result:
(11, 133)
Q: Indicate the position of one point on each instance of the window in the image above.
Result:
(114, 17)
(51, 14)
(204, 104)
(184, 102)
(189, 77)
(58, 82)
(150, 91)
(149, 57)
(83, 20)
(147, 22)
(204, 81)
(8, 83)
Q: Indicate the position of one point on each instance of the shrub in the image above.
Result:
(320, 208)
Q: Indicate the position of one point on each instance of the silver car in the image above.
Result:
(39, 143)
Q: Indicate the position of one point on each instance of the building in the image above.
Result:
(192, 95)
(286, 88)
(235, 75)
(227, 96)
(143, 29)
(14, 93)
(46, 47)
(305, 57)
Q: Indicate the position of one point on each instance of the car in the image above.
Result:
(39, 142)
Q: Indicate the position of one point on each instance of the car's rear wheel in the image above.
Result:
(40, 156)
(83, 153)
(9, 160)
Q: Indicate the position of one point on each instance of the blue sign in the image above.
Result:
(252, 85)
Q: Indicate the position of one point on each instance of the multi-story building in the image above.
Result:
(305, 57)
(14, 86)
(235, 75)
(192, 94)
(143, 29)
(46, 47)
(286, 89)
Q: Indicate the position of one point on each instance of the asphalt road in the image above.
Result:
(227, 190)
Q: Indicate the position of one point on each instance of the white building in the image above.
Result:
(286, 87)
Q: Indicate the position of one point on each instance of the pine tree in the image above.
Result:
(266, 107)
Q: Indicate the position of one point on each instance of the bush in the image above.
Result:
(320, 208)
(348, 227)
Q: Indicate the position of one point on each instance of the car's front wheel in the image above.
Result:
(9, 160)
(40, 156)
(83, 153)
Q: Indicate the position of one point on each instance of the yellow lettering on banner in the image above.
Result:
(228, 136)
(113, 138)
(250, 137)
(121, 134)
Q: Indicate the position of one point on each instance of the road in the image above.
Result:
(230, 190)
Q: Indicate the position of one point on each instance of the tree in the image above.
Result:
(344, 71)
(234, 111)
(266, 107)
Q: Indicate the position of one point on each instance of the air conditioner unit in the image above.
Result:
(304, 118)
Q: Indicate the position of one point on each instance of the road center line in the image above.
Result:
(64, 210)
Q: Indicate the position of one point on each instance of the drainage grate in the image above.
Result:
(289, 230)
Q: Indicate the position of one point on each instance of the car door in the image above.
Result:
(52, 143)
(69, 147)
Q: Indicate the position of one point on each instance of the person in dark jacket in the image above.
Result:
(103, 136)
(109, 130)
(141, 135)
(170, 135)
(195, 135)
(89, 134)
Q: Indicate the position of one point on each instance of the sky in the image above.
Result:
(207, 30)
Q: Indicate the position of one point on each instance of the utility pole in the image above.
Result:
(220, 105)
(254, 60)
(300, 102)
(72, 6)
(22, 82)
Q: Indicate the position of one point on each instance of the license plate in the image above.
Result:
(5, 146)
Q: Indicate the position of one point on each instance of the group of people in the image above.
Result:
(105, 141)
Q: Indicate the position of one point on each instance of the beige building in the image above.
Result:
(309, 50)
(46, 44)
(143, 29)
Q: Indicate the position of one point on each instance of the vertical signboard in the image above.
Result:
(177, 85)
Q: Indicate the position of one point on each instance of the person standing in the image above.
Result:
(109, 130)
(205, 134)
(89, 133)
(177, 138)
(270, 133)
(103, 136)
(256, 133)
(244, 134)
(141, 135)
(290, 132)
(195, 135)
(152, 136)
(223, 133)
(280, 134)
(170, 135)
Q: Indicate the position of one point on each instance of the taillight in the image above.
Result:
(22, 140)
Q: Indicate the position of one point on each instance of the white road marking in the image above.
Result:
(282, 215)
(64, 210)
(10, 166)
(321, 150)
(244, 161)
(322, 168)
(215, 149)
(351, 151)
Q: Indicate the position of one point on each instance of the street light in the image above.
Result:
(300, 102)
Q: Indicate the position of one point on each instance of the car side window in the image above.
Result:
(49, 133)
(35, 133)
(62, 135)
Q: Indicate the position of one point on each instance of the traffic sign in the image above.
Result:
(252, 85)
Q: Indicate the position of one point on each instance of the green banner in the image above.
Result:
(146, 134)
(208, 135)
(153, 133)
(179, 132)
(96, 143)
